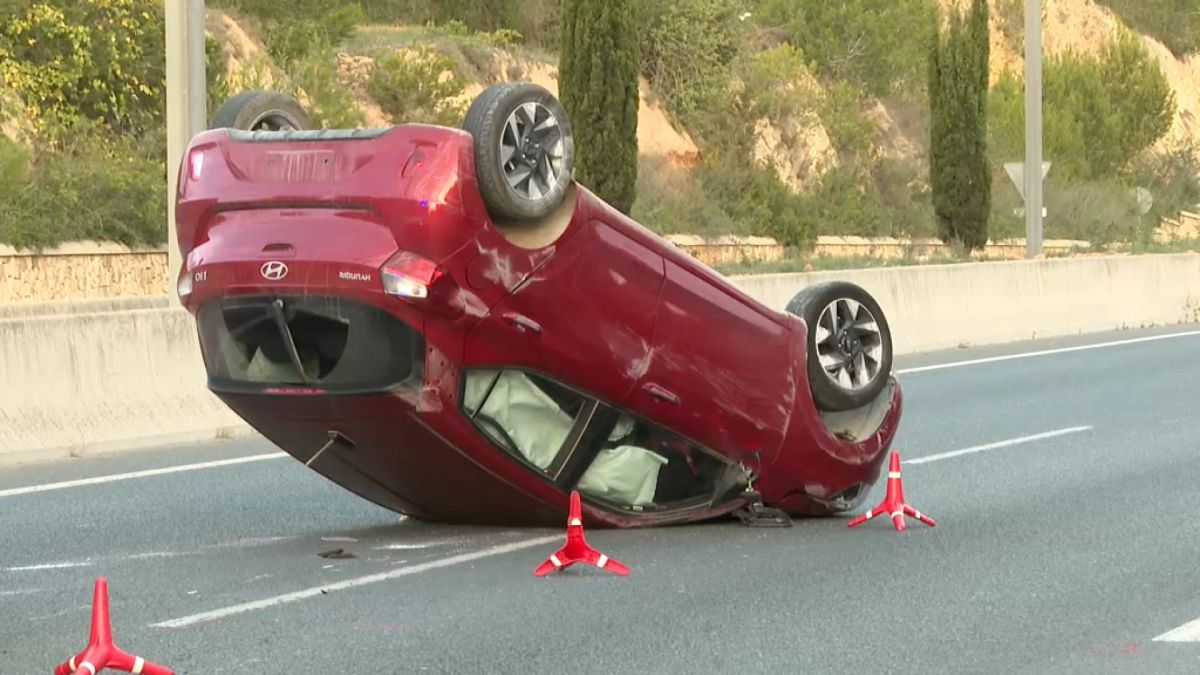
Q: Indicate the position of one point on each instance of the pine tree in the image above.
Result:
(959, 170)
(598, 86)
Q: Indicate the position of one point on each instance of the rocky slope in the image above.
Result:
(799, 146)
(241, 50)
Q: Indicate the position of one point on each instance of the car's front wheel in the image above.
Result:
(849, 344)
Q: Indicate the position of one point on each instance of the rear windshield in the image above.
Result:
(341, 346)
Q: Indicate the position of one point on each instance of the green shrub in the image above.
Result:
(772, 85)
(100, 60)
(313, 80)
(907, 204)
(710, 200)
(851, 133)
(536, 20)
(330, 104)
(1142, 98)
(687, 48)
(1099, 113)
(1173, 179)
(502, 37)
(216, 83)
(296, 29)
(754, 197)
(1007, 219)
(415, 88)
(671, 200)
(1097, 211)
(96, 187)
(456, 27)
(14, 167)
(878, 45)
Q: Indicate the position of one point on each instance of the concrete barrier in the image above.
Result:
(81, 377)
(87, 376)
(945, 306)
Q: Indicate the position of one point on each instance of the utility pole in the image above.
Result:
(1033, 128)
(186, 104)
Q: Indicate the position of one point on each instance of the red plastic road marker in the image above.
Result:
(101, 653)
(577, 549)
(893, 502)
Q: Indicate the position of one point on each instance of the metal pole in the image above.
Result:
(1033, 128)
(186, 104)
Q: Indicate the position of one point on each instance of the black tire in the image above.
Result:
(551, 165)
(257, 110)
(844, 343)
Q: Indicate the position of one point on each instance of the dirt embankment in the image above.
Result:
(245, 58)
(799, 146)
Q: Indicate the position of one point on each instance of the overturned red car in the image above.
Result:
(445, 323)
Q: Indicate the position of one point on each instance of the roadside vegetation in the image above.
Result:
(959, 169)
(810, 117)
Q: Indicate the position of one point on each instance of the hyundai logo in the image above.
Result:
(274, 270)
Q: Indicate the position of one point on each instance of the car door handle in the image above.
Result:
(661, 393)
(523, 323)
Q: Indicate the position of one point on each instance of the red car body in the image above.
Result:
(618, 317)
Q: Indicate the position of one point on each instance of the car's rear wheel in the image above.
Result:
(257, 110)
(849, 344)
(524, 151)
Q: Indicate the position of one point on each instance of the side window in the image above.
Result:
(616, 459)
(527, 415)
(638, 465)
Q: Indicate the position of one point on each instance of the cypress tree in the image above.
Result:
(959, 170)
(598, 85)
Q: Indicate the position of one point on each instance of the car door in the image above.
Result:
(721, 369)
(585, 317)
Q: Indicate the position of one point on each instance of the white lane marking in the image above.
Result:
(1188, 632)
(999, 444)
(410, 547)
(48, 566)
(26, 591)
(352, 583)
(112, 478)
(1047, 352)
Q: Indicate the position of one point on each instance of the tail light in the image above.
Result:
(407, 275)
(184, 285)
(196, 164)
(416, 279)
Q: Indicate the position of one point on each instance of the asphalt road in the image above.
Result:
(1067, 552)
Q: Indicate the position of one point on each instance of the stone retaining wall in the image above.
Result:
(85, 270)
(80, 271)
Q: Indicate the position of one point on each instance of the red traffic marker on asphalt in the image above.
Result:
(101, 653)
(577, 549)
(893, 502)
